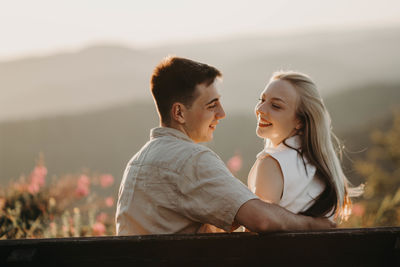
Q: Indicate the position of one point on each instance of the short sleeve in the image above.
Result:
(212, 194)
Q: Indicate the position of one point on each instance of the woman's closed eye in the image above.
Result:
(275, 106)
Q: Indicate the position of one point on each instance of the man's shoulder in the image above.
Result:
(171, 153)
(171, 145)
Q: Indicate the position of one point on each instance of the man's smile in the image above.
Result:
(213, 126)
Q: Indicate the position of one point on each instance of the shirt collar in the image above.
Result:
(167, 131)
(293, 142)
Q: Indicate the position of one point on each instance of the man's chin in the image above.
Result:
(208, 139)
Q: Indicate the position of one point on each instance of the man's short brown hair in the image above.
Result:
(175, 79)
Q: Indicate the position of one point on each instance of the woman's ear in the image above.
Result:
(299, 124)
(177, 112)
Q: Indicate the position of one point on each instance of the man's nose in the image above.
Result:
(221, 113)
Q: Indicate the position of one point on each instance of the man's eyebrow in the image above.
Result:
(215, 99)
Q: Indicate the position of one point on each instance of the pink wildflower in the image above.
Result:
(53, 226)
(33, 188)
(235, 163)
(109, 201)
(82, 191)
(82, 188)
(38, 175)
(358, 210)
(53, 229)
(106, 180)
(102, 217)
(37, 179)
(98, 228)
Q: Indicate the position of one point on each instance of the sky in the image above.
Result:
(47, 26)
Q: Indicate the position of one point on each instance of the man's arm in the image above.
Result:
(260, 216)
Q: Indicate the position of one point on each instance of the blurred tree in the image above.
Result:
(380, 205)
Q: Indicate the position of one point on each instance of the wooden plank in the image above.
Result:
(338, 247)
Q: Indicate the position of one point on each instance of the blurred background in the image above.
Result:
(76, 106)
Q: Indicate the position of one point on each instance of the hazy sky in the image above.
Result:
(46, 26)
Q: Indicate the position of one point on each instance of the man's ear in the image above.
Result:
(177, 112)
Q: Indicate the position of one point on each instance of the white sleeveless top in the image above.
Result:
(300, 184)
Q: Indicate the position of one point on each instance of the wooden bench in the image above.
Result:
(337, 247)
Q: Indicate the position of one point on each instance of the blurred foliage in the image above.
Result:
(77, 204)
(66, 206)
(380, 204)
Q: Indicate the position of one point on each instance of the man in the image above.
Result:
(175, 185)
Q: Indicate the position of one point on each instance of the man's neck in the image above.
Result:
(175, 126)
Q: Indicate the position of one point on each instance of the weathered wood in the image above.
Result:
(338, 247)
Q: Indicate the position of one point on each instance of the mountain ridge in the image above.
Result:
(106, 75)
(104, 140)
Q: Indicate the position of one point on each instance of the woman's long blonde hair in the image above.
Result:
(318, 148)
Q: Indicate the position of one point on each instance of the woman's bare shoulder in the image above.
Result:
(269, 179)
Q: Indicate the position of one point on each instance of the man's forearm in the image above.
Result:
(280, 219)
(259, 216)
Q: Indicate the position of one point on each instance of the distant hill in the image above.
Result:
(101, 141)
(104, 140)
(363, 106)
(107, 75)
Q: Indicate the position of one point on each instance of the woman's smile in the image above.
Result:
(263, 122)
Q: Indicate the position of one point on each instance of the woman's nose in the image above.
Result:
(259, 109)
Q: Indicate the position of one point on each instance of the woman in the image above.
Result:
(298, 168)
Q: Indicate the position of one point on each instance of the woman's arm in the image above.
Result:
(268, 179)
(260, 216)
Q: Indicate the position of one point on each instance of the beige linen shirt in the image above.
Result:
(173, 185)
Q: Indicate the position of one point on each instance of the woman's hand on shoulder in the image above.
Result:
(268, 179)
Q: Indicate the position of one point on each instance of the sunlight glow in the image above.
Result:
(44, 26)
